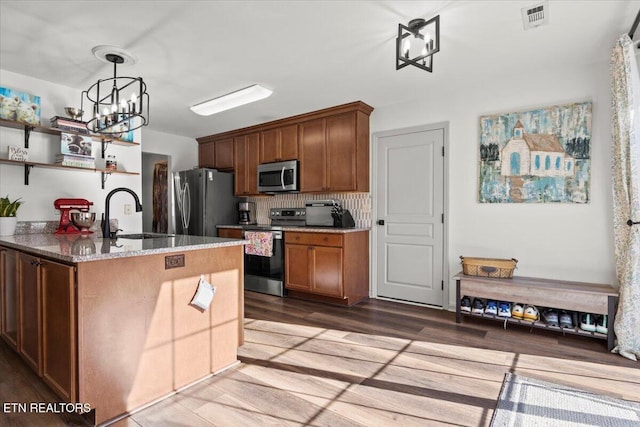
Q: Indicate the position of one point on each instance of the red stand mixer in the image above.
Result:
(65, 206)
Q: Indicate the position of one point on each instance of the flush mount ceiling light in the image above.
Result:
(417, 42)
(117, 104)
(231, 100)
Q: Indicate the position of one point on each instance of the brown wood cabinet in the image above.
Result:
(224, 154)
(327, 266)
(30, 309)
(206, 155)
(9, 296)
(59, 328)
(279, 144)
(332, 146)
(334, 153)
(246, 164)
(230, 233)
(38, 317)
(313, 155)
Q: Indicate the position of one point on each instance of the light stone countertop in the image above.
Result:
(74, 248)
(310, 229)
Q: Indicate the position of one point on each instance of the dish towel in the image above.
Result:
(260, 243)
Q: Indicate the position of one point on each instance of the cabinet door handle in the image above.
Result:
(35, 262)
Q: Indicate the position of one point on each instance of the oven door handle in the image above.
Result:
(277, 235)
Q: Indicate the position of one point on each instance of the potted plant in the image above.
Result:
(8, 211)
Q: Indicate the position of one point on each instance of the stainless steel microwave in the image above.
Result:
(278, 177)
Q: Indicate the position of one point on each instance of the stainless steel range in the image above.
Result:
(263, 272)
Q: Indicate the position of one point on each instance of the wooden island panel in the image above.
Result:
(138, 337)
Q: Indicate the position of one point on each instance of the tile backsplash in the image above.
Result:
(359, 204)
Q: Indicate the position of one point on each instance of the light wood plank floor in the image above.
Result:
(376, 364)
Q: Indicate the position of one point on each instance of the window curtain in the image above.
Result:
(625, 86)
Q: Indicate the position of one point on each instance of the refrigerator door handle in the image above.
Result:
(186, 207)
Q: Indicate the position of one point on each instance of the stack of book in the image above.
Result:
(76, 161)
(72, 125)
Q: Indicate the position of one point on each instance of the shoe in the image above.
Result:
(587, 322)
(504, 309)
(478, 306)
(465, 304)
(491, 308)
(517, 311)
(550, 317)
(531, 313)
(601, 324)
(566, 320)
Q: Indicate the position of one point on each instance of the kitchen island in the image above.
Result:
(107, 323)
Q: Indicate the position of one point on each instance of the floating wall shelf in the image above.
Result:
(27, 128)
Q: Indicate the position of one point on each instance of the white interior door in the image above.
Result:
(410, 215)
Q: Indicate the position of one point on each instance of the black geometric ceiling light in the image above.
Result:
(117, 104)
(417, 42)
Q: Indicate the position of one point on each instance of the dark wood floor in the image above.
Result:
(376, 364)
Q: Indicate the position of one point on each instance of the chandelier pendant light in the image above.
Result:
(118, 104)
(417, 42)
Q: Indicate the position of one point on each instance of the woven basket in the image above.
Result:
(488, 267)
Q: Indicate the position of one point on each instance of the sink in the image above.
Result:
(145, 235)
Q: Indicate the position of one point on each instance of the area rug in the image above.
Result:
(529, 402)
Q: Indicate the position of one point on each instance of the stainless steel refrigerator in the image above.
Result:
(204, 199)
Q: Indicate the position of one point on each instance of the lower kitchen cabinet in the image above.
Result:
(9, 297)
(58, 328)
(29, 306)
(38, 315)
(230, 233)
(332, 267)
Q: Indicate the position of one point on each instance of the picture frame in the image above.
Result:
(19, 106)
(541, 155)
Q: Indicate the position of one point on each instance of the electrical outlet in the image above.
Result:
(128, 209)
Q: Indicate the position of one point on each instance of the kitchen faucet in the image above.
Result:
(106, 230)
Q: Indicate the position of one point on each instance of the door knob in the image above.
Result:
(381, 222)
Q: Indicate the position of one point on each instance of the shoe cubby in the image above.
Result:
(544, 294)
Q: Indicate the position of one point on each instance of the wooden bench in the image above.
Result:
(559, 294)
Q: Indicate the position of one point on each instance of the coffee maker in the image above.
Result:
(247, 213)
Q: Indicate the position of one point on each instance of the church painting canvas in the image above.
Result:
(537, 156)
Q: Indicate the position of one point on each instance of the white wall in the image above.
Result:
(563, 241)
(46, 185)
(182, 150)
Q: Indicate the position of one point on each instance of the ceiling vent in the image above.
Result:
(536, 15)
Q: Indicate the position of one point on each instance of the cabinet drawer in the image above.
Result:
(316, 239)
(230, 233)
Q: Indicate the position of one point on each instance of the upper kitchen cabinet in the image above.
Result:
(206, 155)
(224, 154)
(279, 144)
(334, 153)
(332, 146)
(246, 164)
(217, 153)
